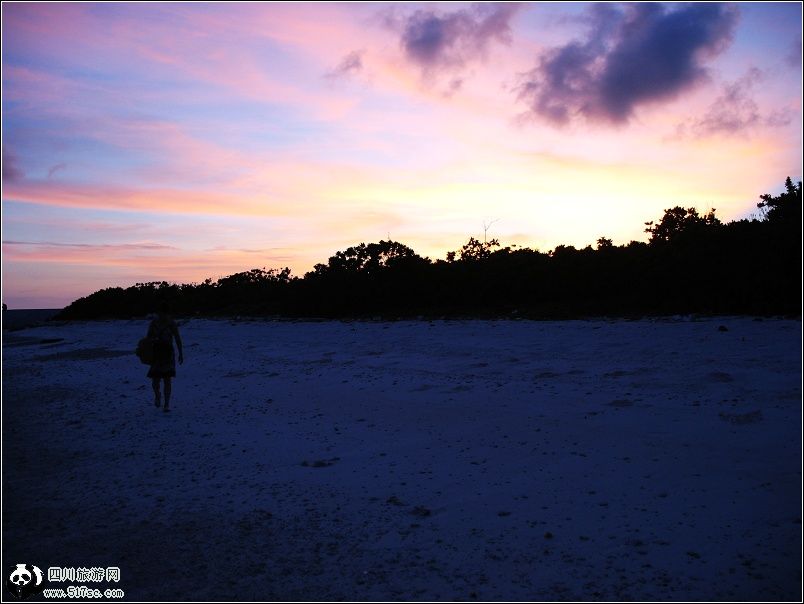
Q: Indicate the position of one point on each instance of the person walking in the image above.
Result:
(163, 331)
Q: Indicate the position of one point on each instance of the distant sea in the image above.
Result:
(17, 319)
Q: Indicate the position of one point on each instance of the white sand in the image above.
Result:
(656, 460)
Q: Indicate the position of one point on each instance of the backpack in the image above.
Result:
(145, 350)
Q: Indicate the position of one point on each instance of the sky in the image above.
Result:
(179, 141)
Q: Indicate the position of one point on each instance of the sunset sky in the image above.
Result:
(149, 142)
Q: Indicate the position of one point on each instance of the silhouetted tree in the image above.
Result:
(785, 207)
(603, 243)
(367, 258)
(476, 250)
(678, 222)
(255, 276)
(563, 251)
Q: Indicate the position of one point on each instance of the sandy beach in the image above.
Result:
(446, 460)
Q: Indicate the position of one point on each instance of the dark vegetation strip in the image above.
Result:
(691, 264)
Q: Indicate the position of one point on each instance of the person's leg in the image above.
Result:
(155, 384)
(167, 392)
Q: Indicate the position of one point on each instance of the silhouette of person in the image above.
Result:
(163, 330)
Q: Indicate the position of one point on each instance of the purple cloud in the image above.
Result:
(735, 111)
(793, 58)
(351, 64)
(56, 168)
(635, 55)
(450, 41)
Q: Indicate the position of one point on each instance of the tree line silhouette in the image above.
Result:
(692, 263)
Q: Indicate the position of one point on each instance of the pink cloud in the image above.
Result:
(126, 264)
(126, 198)
(154, 255)
(92, 254)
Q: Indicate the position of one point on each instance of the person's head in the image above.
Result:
(163, 310)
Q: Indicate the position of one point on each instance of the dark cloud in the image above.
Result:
(351, 64)
(735, 111)
(452, 40)
(634, 55)
(11, 171)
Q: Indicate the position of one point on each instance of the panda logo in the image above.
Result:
(24, 583)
